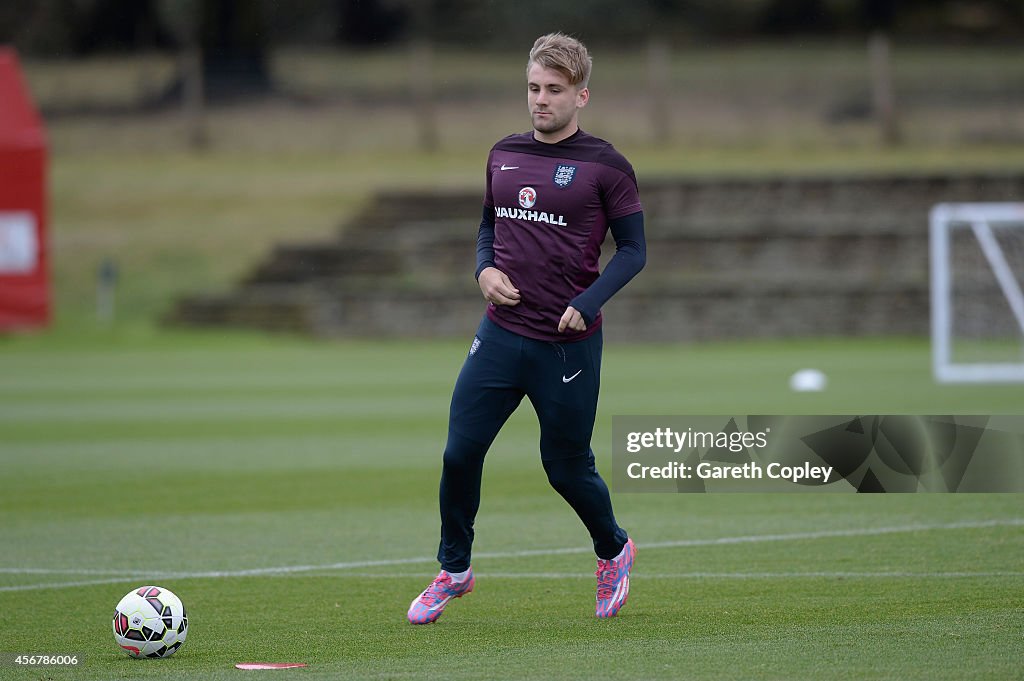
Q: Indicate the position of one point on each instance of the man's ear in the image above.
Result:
(582, 97)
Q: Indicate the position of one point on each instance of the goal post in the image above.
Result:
(977, 271)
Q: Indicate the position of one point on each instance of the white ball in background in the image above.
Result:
(808, 381)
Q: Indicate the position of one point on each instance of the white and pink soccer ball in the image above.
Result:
(150, 622)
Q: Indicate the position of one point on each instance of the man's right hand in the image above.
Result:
(497, 288)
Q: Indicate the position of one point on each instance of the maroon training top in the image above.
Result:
(552, 204)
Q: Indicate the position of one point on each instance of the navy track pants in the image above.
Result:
(562, 381)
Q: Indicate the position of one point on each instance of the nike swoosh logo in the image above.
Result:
(566, 380)
(505, 167)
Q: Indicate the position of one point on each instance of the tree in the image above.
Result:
(369, 22)
(230, 38)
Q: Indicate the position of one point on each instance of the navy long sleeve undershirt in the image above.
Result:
(485, 242)
(630, 257)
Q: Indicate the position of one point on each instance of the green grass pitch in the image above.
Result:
(286, 491)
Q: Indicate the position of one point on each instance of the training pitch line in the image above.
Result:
(115, 576)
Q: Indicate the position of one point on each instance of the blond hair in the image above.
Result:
(564, 54)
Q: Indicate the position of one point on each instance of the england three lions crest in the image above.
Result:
(564, 175)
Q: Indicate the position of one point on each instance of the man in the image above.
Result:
(552, 194)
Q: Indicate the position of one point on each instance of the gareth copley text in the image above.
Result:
(713, 470)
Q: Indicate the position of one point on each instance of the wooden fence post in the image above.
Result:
(659, 88)
(882, 98)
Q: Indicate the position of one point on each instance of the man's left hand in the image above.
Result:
(571, 319)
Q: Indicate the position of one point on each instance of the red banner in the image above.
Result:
(24, 270)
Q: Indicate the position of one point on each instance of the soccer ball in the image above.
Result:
(150, 622)
(808, 380)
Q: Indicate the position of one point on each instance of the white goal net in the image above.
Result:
(977, 274)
